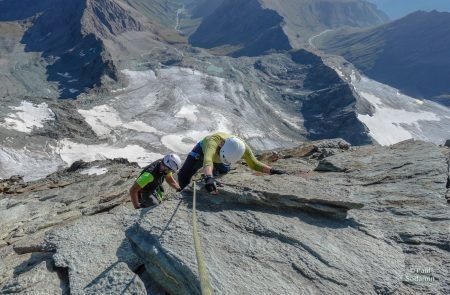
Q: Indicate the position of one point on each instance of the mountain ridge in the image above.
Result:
(398, 9)
(287, 25)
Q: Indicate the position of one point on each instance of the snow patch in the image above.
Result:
(103, 119)
(28, 116)
(138, 79)
(64, 75)
(385, 124)
(72, 151)
(140, 126)
(187, 112)
(396, 116)
(117, 90)
(31, 164)
(184, 142)
(94, 171)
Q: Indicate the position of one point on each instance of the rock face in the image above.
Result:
(29, 210)
(354, 220)
(338, 105)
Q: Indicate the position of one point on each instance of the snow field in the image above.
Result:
(396, 117)
(32, 165)
(28, 116)
(200, 103)
(167, 109)
(103, 119)
(71, 151)
(386, 124)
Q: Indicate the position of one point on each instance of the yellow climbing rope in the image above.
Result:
(205, 286)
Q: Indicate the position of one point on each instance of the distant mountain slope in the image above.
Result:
(254, 26)
(411, 54)
(203, 8)
(245, 25)
(399, 8)
(77, 43)
(62, 49)
(305, 18)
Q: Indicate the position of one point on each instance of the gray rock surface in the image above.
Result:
(262, 252)
(374, 250)
(29, 209)
(42, 278)
(97, 255)
(379, 226)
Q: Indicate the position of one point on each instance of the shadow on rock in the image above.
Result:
(38, 273)
(223, 202)
(207, 203)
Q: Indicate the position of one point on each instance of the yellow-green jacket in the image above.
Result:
(211, 145)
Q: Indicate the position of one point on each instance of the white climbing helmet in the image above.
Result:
(232, 150)
(172, 161)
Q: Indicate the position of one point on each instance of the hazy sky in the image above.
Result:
(398, 8)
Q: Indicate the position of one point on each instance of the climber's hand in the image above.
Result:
(211, 185)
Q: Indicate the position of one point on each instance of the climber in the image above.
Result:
(147, 189)
(215, 153)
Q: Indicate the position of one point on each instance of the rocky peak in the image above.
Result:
(109, 18)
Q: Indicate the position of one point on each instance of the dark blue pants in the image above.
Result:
(193, 163)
